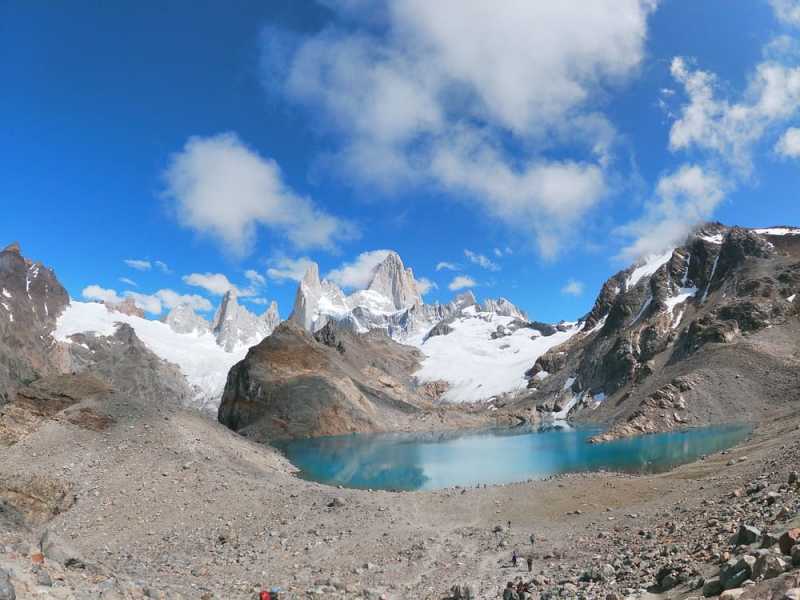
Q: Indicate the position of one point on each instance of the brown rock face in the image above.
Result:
(31, 298)
(294, 384)
(789, 540)
(126, 307)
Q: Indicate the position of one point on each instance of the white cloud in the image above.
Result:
(139, 265)
(787, 11)
(292, 269)
(151, 303)
(214, 283)
(259, 300)
(222, 188)
(731, 129)
(162, 266)
(460, 282)
(128, 281)
(422, 102)
(789, 144)
(481, 260)
(95, 292)
(255, 278)
(147, 302)
(425, 285)
(447, 266)
(683, 199)
(357, 274)
(573, 288)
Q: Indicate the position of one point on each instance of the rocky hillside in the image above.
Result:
(335, 381)
(31, 299)
(705, 333)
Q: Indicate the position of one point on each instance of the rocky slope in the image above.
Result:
(31, 299)
(296, 384)
(706, 333)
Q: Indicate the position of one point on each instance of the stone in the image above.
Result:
(746, 535)
(712, 587)
(736, 571)
(43, 578)
(57, 550)
(788, 540)
(793, 477)
(768, 566)
(7, 591)
(768, 540)
(731, 594)
(792, 594)
(796, 555)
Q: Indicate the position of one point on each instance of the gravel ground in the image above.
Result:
(166, 504)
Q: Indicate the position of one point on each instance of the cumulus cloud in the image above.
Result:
(460, 282)
(292, 269)
(573, 288)
(416, 100)
(255, 278)
(683, 199)
(789, 144)
(139, 265)
(787, 11)
(358, 273)
(425, 285)
(481, 260)
(222, 188)
(446, 266)
(731, 129)
(96, 292)
(214, 283)
(151, 303)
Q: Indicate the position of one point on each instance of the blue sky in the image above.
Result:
(233, 142)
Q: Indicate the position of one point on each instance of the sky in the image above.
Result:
(525, 149)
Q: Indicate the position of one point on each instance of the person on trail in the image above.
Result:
(529, 560)
(514, 558)
(522, 590)
(509, 593)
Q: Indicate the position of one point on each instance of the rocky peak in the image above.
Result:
(307, 298)
(465, 299)
(126, 307)
(504, 308)
(13, 247)
(234, 325)
(392, 279)
(183, 319)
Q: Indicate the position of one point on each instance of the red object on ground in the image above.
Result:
(264, 596)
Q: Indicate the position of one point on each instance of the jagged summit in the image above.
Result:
(234, 325)
(183, 319)
(394, 281)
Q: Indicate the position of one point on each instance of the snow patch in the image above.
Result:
(778, 231)
(710, 279)
(6, 293)
(717, 238)
(645, 306)
(791, 298)
(477, 367)
(204, 363)
(651, 265)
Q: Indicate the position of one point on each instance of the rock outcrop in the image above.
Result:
(297, 384)
(394, 281)
(183, 319)
(31, 298)
(667, 342)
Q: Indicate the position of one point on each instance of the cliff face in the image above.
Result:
(31, 298)
(296, 384)
(706, 333)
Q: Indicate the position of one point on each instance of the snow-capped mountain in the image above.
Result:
(479, 350)
(235, 326)
(203, 351)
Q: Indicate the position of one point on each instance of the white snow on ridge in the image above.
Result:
(778, 231)
(477, 367)
(6, 293)
(651, 265)
(717, 238)
(204, 363)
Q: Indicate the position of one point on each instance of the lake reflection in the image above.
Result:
(417, 461)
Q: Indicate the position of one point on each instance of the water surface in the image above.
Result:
(424, 461)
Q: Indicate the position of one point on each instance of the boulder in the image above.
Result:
(712, 587)
(57, 550)
(768, 566)
(788, 540)
(736, 571)
(746, 535)
(7, 591)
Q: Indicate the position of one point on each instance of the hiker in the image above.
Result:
(522, 590)
(514, 558)
(529, 560)
(509, 593)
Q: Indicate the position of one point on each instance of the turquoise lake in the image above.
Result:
(426, 461)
